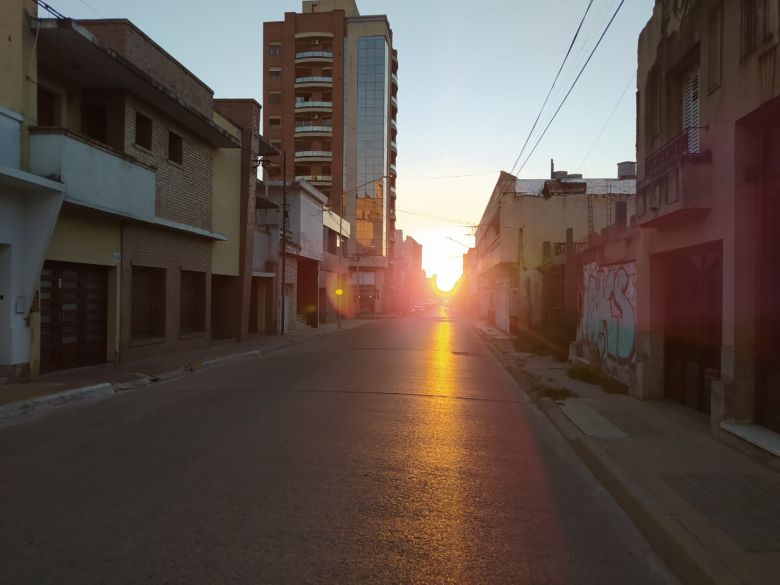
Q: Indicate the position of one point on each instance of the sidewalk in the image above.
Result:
(68, 385)
(711, 513)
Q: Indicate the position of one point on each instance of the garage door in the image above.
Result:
(74, 301)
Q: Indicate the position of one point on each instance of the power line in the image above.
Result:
(427, 215)
(92, 9)
(557, 75)
(50, 9)
(611, 115)
(573, 85)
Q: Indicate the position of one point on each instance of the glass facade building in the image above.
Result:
(373, 94)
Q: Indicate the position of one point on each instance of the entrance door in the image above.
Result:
(692, 340)
(768, 315)
(74, 301)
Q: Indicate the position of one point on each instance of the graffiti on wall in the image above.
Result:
(608, 318)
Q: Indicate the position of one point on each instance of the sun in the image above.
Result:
(446, 281)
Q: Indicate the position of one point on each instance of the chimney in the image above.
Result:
(552, 169)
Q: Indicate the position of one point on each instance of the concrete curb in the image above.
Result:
(27, 407)
(683, 553)
(23, 408)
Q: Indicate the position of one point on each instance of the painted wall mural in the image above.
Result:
(607, 327)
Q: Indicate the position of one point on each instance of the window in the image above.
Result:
(274, 50)
(715, 46)
(275, 122)
(193, 302)
(274, 74)
(690, 109)
(147, 299)
(175, 147)
(653, 105)
(49, 107)
(755, 28)
(94, 122)
(275, 98)
(143, 131)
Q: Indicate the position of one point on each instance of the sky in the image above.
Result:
(471, 82)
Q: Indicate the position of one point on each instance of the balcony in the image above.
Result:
(393, 193)
(311, 106)
(313, 81)
(394, 78)
(319, 180)
(393, 171)
(314, 57)
(94, 175)
(394, 125)
(677, 184)
(311, 129)
(394, 147)
(313, 156)
(394, 101)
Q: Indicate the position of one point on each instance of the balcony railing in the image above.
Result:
(394, 101)
(393, 146)
(305, 105)
(394, 77)
(560, 248)
(315, 179)
(393, 171)
(685, 143)
(311, 129)
(94, 174)
(314, 55)
(318, 154)
(677, 182)
(314, 80)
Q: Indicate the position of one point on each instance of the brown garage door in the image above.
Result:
(74, 300)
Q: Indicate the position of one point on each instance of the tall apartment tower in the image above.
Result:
(330, 103)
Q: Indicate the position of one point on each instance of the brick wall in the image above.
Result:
(245, 114)
(144, 245)
(130, 42)
(184, 191)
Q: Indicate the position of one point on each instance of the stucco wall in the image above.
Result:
(226, 214)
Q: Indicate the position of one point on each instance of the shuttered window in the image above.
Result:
(690, 109)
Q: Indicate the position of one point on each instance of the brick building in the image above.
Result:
(330, 94)
(151, 249)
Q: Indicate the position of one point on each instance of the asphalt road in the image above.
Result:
(400, 452)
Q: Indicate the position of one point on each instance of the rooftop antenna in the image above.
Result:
(552, 168)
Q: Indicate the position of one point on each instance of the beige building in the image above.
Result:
(524, 218)
(330, 91)
(708, 136)
(139, 235)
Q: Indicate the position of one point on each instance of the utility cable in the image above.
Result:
(557, 75)
(604, 127)
(573, 85)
